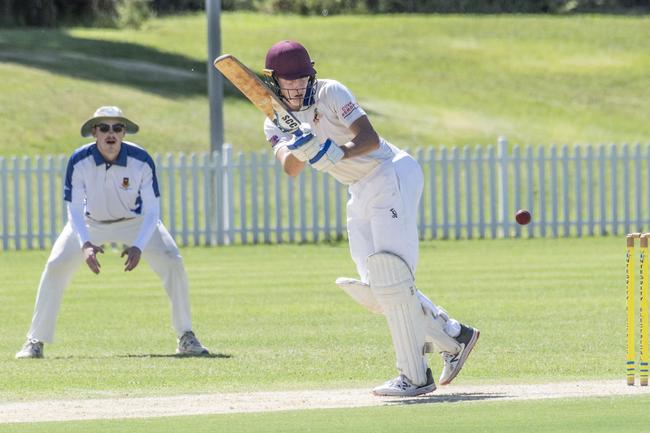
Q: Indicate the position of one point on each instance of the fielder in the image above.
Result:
(385, 185)
(112, 195)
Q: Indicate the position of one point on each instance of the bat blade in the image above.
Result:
(257, 92)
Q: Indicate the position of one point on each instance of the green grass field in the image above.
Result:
(549, 310)
(594, 415)
(425, 80)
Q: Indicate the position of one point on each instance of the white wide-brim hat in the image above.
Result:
(104, 113)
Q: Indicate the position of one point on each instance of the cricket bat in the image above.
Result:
(257, 92)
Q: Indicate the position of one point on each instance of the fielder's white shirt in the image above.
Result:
(334, 110)
(106, 192)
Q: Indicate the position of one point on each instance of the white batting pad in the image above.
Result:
(393, 286)
(437, 324)
(360, 292)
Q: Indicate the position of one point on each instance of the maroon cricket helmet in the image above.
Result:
(289, 60)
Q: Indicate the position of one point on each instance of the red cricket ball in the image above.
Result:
(523, 217)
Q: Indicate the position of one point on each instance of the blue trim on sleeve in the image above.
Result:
(77, 156)
(138, 205)
(140, 154)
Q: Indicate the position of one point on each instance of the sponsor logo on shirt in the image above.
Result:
(274, 140)
(348, 108)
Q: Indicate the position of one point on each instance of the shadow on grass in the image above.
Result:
(146, 355)
(174, 355)
(128, 64)
(448, 398)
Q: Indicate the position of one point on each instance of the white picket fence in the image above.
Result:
(222, 199)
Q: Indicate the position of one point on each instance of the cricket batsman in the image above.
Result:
(385, 184)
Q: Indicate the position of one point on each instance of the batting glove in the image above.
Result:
(302, 144)
(328, 155)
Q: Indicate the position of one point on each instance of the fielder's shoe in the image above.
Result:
(454, 362)
(401, 386)
(188, 344)
(31, 349)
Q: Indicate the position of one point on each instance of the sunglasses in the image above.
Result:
(104, 127)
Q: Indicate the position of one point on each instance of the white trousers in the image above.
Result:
(382, 216)
(161, 253)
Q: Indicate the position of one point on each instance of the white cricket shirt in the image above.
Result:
(334, 110)
(109, 192)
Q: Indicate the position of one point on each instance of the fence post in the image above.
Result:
(243, 229)
(16, 180)
(480, 192)
(444, 192)
(590, 190)
(171, 195)
(516, 189)
(218, 194)
(208, 202)
(279, 174)
(5, 203)
(566, 207)
(469, 205)
(433, 197)
(502, 155)
(182, 167)
(530, 203)
(455, 178)
(195, 200)
(40, 201)
(578, 190)
(229, 167)
(254, 202)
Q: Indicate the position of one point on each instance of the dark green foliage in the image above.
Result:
(317, 7)
(51, 13)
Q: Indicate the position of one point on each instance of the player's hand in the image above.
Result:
(132, 258)
(329, 153)
(90, 256)
(302, 144)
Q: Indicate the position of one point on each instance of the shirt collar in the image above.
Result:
(99, 159)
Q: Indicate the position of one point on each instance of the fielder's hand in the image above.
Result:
(302, 144)
(132, 258)
(328, 154)
(90, 256)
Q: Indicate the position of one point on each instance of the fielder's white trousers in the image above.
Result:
(161, 253)
(382, 216)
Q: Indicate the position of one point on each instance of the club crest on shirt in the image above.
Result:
(316, 116)
(125, 182)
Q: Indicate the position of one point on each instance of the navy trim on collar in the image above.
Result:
(99, 159)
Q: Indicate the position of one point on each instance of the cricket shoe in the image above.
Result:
(454, 362)
(31, 349)
(188, 344)
(401, 386)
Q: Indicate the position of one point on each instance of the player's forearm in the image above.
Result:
(290, 164)
(78, 222)
(150, 218)
(364, 143)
